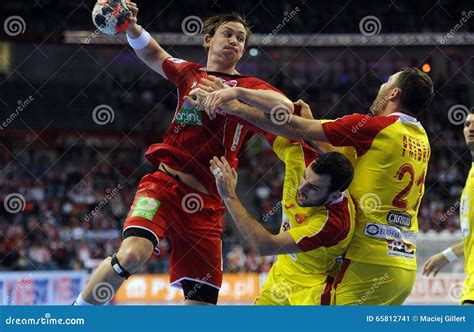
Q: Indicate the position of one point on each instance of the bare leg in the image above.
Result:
(105, 282)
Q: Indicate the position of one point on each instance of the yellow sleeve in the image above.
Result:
(309, 236)
(287, 150)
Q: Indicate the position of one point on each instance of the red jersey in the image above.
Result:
(193, 139)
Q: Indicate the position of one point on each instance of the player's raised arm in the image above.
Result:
(145, 46)
(263, 241)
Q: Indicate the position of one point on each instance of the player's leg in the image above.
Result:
(113, 271)
(144, 225)
(369, 284)
(276, 290)
(195, 236)
(196, 262)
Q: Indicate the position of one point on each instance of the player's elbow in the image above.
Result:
(266, 248)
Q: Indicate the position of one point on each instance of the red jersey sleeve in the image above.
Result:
(357, 130)
(176, 69)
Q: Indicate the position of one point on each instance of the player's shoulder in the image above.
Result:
(184, 63)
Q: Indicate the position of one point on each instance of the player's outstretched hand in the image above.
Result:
(134, 12)
(434, 264)
(211, 84)
(196, 97)
(226, 177)
(220, 99)
(305, 111)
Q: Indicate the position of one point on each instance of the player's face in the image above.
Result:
(313, 189)
(381, 101)
(228, 42)
(469, 131)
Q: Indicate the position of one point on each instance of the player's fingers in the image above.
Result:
(205, 87)
(234, 173)
(216, 81)
(226, 165)
(436, 271)
(427, 268)
(218, 162)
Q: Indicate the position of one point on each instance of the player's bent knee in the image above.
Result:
(133, 253)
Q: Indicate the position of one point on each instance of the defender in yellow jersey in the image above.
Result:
(317, 225)
(466, 216)
(391, 158)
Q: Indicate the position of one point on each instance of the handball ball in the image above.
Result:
(111, 16)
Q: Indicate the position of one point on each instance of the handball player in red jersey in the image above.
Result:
(180, 200)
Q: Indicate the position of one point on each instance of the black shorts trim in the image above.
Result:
(140, 232)
(197, 291)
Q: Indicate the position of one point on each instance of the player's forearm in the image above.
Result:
(458, 249)
(265, 100)
(152, 54)
(251, 230)
(297, 128)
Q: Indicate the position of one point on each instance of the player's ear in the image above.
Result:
(395, 93)
(207, 41)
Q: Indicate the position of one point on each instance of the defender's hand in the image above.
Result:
(434, 264)
(219, 99)
(226, 177)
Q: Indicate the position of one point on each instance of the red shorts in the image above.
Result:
(192, 222)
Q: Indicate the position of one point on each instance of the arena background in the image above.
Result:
(78, 110)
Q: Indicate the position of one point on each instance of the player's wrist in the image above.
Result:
(134, 30)
(230, 198)
(450, 255)
(139, 40)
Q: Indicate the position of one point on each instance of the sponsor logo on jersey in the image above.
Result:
(388, 232)
(235, 142)
(189, 115)
(397, 248)
(146, 207)
(289, 206)
(399, 219)
(300, 218)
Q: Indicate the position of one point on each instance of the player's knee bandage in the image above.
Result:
(119, 268)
